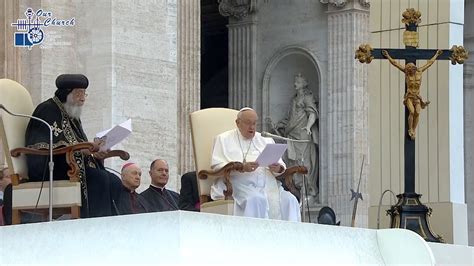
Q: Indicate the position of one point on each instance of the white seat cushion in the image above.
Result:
(65, 194)
(225, 207)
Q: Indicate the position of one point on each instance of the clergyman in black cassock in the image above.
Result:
(189, 195)
(63, 113)
(128, 201)
(158, 197)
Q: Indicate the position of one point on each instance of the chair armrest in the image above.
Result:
(80, 146)
(118, 153)
(232, 166)
(287, 179)
(68, 151)
(223, 172)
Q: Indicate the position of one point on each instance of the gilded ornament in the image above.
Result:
(411, 16)
(459, 55)
(410, 38)
(364, 53)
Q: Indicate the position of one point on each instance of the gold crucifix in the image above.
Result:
(412, 99)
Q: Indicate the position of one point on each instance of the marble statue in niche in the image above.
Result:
(301, 123)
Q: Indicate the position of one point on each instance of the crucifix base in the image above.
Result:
(411, 214)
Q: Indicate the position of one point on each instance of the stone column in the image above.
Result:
(469, 118)
(189, 61)
(242, 51)
(9, 55)
(348, 26)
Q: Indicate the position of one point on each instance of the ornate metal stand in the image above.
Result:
(410, 213)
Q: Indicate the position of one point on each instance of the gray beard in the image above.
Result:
(72, 110)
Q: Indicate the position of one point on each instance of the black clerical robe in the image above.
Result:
(161, 199)
(189, 195)
(96, 182)
(130, 202)
(7, 205)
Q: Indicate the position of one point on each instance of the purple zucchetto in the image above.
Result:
(67, 82)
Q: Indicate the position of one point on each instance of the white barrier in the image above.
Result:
(447, 254)
(198, 238)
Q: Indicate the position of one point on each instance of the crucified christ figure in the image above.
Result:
(412, 99)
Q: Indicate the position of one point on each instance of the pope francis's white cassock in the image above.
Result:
(258, 193)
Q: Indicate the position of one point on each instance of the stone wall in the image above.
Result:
(143, 80)
(128, 50)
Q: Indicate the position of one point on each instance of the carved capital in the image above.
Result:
(342, 3)
(237, 9)
(365, 3)
(336, 3)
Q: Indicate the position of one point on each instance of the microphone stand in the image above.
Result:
(304, 188)
(51, 162)
(301, 160)
(269, 135)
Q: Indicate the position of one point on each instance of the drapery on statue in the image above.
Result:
(412, 99)
(301, 123)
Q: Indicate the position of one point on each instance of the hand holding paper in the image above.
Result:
(250, 166)
(275, 168)
(271, 154)
(110, 137)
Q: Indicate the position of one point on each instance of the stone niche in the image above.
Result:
(279, 90)
(278, 81)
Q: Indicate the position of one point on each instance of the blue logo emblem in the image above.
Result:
(30, 30)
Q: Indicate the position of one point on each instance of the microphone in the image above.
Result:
(115, 207)
(51, 162)
(269, 135)
(113, 170)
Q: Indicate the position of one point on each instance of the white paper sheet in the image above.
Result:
(271, 154)
(115, 135)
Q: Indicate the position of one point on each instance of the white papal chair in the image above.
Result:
(205, 125)
(34, 196)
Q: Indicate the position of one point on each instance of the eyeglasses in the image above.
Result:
(249, 123)
(80, 93)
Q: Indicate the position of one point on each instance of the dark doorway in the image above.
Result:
(214, 56)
